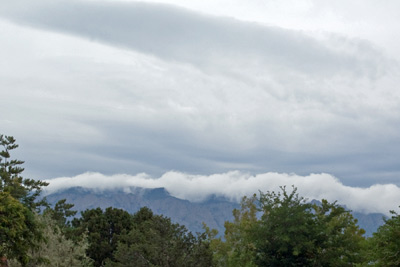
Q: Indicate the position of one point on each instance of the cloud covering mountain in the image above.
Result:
(234, 185)
(131, 87)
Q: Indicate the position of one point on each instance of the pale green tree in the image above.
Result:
(238, 249)
(57, 250)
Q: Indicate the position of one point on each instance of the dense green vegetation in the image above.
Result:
(270, 229)
(288, 231)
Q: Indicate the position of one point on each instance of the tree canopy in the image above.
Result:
(19, 230)
(23, 189)
(156, 241)
(384, 246)
(283, 229)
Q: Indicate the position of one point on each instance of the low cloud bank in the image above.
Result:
(233, 185)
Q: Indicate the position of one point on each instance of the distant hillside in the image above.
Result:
(214, 211)
(369, 222)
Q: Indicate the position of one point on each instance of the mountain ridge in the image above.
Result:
(213, 211)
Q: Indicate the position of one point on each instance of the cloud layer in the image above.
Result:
(129, 87)
(234, 185)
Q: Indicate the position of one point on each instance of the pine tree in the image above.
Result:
(22, 189)
(20, 232)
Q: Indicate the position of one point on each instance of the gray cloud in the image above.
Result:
(134, 87)
(180, 35)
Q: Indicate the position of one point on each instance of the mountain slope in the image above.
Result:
(214, 211)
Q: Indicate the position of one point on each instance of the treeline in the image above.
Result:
(270, 229)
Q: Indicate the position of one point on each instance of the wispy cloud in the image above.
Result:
(235, 184)
(177, 34)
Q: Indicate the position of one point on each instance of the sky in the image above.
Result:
(236, 95)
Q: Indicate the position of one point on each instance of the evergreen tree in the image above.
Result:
(19, 229)
(22, 189)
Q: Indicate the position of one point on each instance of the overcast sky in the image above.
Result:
(204, 88)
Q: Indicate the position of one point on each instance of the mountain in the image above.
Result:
(369, 222)
(214, 211)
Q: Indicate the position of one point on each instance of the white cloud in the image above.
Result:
(235, 184)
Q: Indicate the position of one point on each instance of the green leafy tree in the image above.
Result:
(283, 229)
(285, 235)
(15, 224)
(104, 229)
(340, 241)
(384, 245)
(58, 250)
(238, 248)
(292, 232)
(155, 241)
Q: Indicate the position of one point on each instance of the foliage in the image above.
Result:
(24, 190)
(103, 231)
(61, 212)
(60, 215)
(16, 223)
(384, 246)
(155, 241)
(288, 232)
(340, 241)
(57, 250)
(238, 248)
(19, 229)
(292, 232)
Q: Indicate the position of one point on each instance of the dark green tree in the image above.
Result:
(104, 229)
(384, 245)
(22, 189)
(340, 241)
(60, 213)
(286, 233)
(155, 241)
(293, 232)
